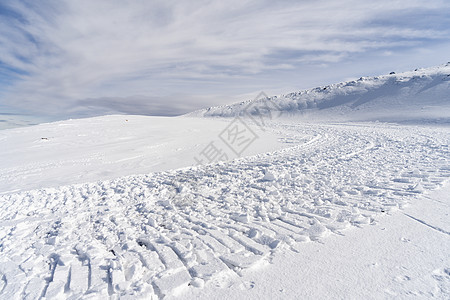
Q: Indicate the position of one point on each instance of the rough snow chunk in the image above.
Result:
(173, 284)
(242, 260)
(34, 288)
(243, 218)
(171, 260)
(317, 230)
(250, 244)
(79, 275)
(198, 283)
(55, 290)
(269, 176)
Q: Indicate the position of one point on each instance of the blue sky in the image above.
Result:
(61, 58)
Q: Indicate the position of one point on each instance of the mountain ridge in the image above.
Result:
(412, 95)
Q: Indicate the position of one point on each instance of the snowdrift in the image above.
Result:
(419, 95)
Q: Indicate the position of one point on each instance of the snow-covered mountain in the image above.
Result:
(422, 94)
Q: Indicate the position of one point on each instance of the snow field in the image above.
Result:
(107, 147)
(161, 234)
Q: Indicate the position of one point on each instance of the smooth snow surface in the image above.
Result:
(84, 150)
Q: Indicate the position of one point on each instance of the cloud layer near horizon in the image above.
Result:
(84, 57)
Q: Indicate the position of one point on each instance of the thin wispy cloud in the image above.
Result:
(67, 57)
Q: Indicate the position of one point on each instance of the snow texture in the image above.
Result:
(199, 230)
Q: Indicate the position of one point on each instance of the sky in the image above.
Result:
(78, 58)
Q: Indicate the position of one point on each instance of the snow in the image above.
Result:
(118, 207)
(416, 96)
(396, 258)
(85, 150)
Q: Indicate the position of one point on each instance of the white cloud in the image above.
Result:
(75, 51)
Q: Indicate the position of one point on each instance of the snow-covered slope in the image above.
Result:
(100, 148)
(420, 95)
(336, 211)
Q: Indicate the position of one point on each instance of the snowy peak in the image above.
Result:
(422, 94)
